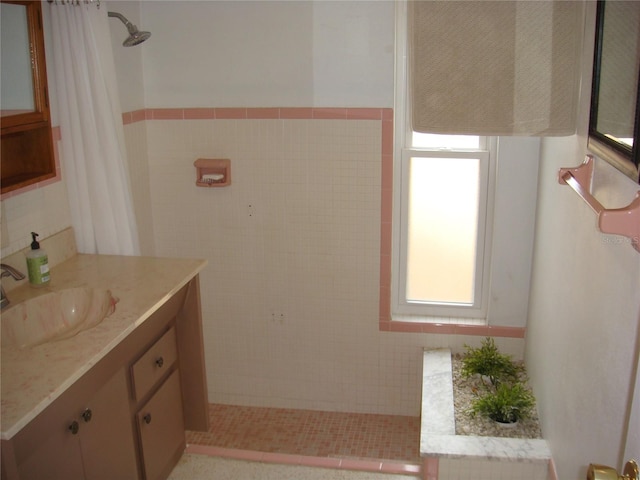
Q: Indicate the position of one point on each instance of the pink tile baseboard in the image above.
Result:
(430, 468)
(307, 461)
(553, 475)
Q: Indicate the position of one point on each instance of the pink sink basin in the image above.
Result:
(55, 316)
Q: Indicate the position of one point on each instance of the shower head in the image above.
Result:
(135, 36)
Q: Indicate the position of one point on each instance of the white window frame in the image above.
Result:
(401, 309)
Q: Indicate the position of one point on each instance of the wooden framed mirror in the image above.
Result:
(27, 155)
(614, 123)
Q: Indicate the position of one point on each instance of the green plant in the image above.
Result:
(507, 404)
(488, 361)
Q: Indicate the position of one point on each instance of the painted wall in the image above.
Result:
(582, 336)
(128, 60)
(269, 54)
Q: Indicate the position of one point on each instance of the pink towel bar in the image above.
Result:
(618, 221)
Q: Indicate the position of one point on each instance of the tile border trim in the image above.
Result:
(380, 466)
(266, 113)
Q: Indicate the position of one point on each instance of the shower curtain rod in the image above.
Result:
(74, 2)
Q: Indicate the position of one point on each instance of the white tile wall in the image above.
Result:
(290, 294)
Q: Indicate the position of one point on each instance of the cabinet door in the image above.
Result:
(100, 448)
(57, 457)
(161, 427)
(107, 439)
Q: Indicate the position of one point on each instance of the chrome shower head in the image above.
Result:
(135, 36)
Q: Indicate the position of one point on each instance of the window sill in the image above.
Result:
(448, 326)
(438, 320)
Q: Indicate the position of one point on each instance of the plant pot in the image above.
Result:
(506, 425)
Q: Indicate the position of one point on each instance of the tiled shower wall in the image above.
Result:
(290, 296)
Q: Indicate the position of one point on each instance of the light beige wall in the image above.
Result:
(582, 336)
(128, 60)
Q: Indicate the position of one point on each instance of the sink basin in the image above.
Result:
(55, 316)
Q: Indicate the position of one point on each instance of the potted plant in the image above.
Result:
(506, 405)
(489, 362)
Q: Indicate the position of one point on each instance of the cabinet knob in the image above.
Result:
(147, 418)
(160, 362)
(74, 427)
(86, 415)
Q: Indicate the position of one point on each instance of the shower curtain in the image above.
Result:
(94, 163)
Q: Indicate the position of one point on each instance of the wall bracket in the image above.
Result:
(618, 221)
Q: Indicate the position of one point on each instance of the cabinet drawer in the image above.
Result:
(153, 365)
(161, 425)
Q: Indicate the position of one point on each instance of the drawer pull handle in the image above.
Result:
(160, 362)
(74, 427)
(147, 418)
(86, 415)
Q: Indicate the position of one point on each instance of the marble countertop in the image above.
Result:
(33, 377)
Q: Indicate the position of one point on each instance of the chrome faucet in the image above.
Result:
(8, 271)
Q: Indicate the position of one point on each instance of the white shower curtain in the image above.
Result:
(94, 163)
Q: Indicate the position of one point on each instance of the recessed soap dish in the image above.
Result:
(213, 172)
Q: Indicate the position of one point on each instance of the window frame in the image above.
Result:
(401, 309)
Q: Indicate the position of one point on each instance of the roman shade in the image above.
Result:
(486, 67)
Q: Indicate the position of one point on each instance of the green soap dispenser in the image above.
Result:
(37, 264)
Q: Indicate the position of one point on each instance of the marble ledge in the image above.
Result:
(485, 448)
(437, 430)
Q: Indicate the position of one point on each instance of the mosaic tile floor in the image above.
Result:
(312, 433)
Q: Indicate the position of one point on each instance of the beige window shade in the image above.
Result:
(495, 67)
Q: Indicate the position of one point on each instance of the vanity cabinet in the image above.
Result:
(125, 418)
(92, 439)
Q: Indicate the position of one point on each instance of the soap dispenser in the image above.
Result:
(37, 264)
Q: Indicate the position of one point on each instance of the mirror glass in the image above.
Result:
(614, 99)
(16, 76)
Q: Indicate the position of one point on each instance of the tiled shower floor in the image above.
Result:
(312, 433)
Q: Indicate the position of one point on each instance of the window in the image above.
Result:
(442, 206)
